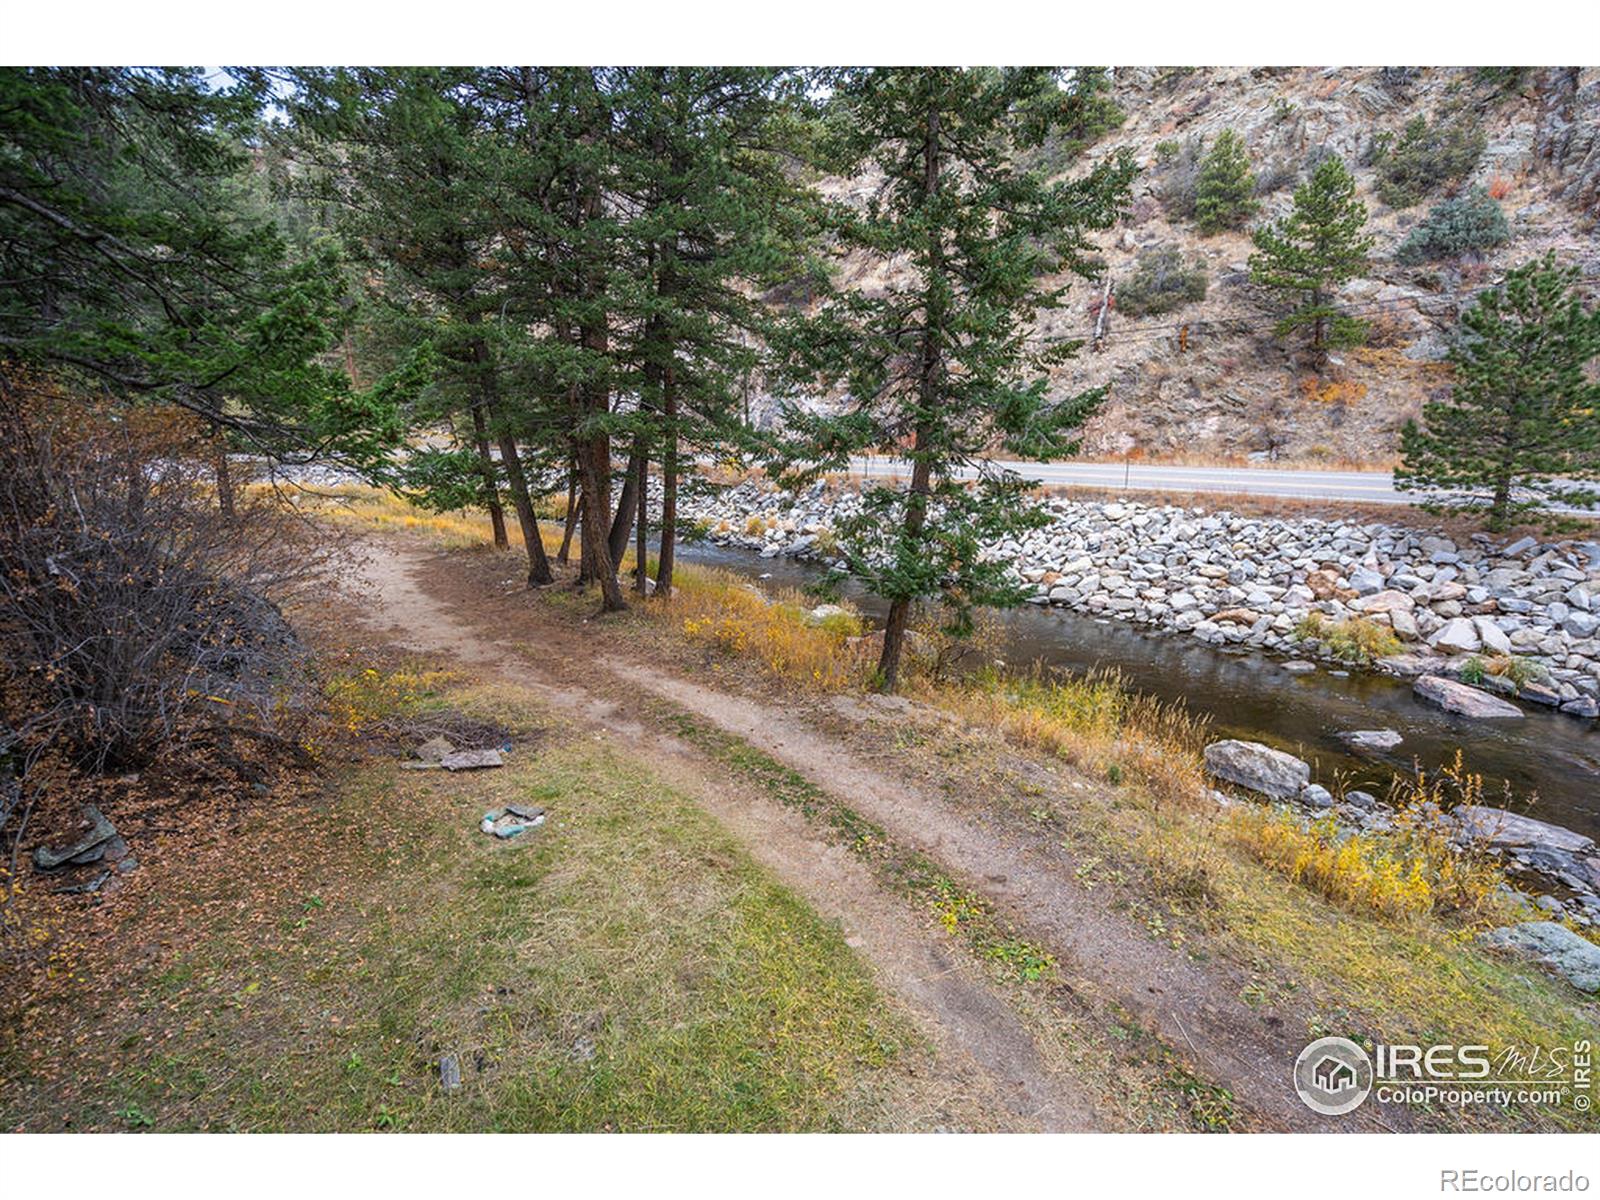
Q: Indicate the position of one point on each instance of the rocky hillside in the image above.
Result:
(1207, 378)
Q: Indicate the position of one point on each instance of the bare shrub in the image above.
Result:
(133, 612)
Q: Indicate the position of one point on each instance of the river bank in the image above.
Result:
(1519, 619)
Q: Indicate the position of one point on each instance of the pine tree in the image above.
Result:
(1313, 250)
(132, 252)
(1225, 190)
(1521, 427)
(940, 367)
(409, 151)
(708, 228)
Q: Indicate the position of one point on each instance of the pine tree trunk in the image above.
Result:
(225, 495)
(622, 522)
(641, 550)
(1500, 509)
(669, 488)
(573, 502)
(497, 515)
(596, 549)
(894, 631)
(539, 572)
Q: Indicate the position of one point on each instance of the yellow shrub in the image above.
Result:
(719, 608)
(360, 697)
(1409, 872)
(1356, 640)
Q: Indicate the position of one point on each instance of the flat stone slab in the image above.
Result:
(101, 831)
(471, 760)
(1372, 739)
(1554, 947)
(1258, 768)
(1463, 700)
(1509, 830)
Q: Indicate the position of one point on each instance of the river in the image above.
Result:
(1547, 764)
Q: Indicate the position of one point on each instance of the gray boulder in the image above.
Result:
(1372, 739)
(1459, 636)
(1554, 947)
(1314, 795)
(1509, 830)
(1258, 768)
(1458, 698)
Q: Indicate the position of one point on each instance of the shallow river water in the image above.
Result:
(1546, 758)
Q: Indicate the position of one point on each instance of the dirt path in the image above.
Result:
(1194, 1007)
(981, 1045)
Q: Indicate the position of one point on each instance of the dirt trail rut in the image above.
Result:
(981, 1044)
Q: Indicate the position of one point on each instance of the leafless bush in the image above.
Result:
(133, 613)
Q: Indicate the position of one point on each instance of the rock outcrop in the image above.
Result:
(1554, 947)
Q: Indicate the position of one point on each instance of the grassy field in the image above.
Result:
(627, 967)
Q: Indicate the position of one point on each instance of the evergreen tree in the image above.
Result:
(409, 153)
(1313, 250)
(709, 203)
(940, 366)
(1225, 190)
(132, 251)
(1522, 424)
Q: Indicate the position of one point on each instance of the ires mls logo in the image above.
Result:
(1333, 1076)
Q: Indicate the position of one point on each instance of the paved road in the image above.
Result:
(1363, 487)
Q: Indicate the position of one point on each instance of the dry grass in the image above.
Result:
(1411, 872)
(1353, 640)
(372, 508)
(1091, 721)
(722, 610)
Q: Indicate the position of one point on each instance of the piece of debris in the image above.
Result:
(470, 760)
(87, 888)
(100, 832)
(449, 1072)
(511, 820)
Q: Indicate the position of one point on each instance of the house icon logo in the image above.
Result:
(1333, 1076)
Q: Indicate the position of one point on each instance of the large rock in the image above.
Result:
(1555, 947)
(1491, 635)
(1372, 739)
(1389, 601)
(1509, 830)
(1258, 768)
(1456, 697)
(100, 831)
(1459, 636)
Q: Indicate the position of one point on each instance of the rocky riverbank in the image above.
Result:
(1522, 620)
(1559, 866)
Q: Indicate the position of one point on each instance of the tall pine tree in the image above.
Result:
(940, 365)
(1311, 252)
(1521, 429)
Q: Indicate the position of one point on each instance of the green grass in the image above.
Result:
(628, 967)
(958, 909)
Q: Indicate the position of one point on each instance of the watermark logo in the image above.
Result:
(1333, 1076)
